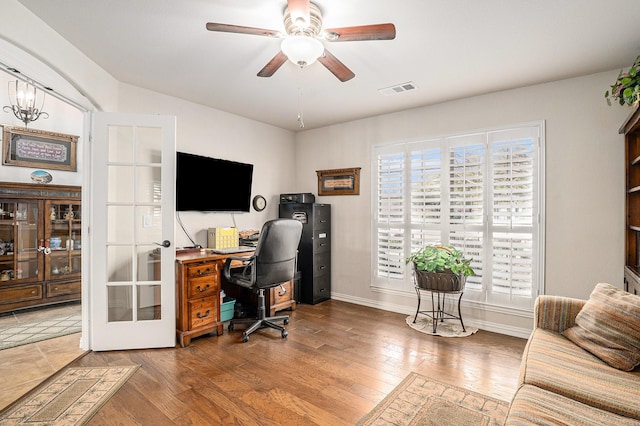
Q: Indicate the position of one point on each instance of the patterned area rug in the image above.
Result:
(448, 328)
(419, 400)
(70, 398)
(35, 331)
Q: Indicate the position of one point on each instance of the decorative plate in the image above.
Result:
(40, 176)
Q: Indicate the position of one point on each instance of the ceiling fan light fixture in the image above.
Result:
(302, 50)
(299, 20)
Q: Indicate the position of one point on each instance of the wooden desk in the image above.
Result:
(198, 283)
(198, 278)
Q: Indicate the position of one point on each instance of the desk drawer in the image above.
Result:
(202, 269)
(278, 295)
(202, 312)
(202, 286)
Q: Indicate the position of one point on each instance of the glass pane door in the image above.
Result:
(63, 232)
(19, 258)
(134, 282)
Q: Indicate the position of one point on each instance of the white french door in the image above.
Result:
(132, 293)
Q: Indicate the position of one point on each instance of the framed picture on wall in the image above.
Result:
(33, 148)
(339, 181)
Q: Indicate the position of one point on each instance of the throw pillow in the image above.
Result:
(608, 326)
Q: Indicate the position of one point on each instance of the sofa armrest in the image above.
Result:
(556, 313)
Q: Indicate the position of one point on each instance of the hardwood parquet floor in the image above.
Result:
(338, 362)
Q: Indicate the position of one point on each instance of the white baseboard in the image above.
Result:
(402, 309)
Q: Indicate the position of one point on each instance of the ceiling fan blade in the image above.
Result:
(227, 28)
(336, 67)
(273, 65)
(299, 10)
(362, 32)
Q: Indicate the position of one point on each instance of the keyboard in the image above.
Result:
(230, 250)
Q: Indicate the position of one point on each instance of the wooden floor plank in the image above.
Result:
(338, 362)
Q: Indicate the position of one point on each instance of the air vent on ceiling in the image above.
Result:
(398, 88)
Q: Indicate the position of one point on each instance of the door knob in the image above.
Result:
(165, 244)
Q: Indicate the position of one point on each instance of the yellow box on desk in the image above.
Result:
(220, 238)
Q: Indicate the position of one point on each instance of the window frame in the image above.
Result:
(391, 283)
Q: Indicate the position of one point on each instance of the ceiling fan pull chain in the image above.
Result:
(300, 109)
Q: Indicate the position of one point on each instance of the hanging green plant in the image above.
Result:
(441, 258)
(626, 89)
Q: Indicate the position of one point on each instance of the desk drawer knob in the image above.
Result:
(206, 314)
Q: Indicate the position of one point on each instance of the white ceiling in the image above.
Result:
(448, 48)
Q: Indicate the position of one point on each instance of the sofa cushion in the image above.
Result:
(554, 363)
(534, 406)
(608, 326)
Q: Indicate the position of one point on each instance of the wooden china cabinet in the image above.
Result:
(40, 245)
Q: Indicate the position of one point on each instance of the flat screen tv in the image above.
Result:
(212, 185)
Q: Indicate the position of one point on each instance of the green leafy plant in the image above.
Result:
(626, 89)
(440, 258)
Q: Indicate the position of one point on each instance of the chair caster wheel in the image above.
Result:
(245, 338)
(230, 327)
(286, 321)
(284, 334)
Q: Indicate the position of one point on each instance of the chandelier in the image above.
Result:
(26, 101)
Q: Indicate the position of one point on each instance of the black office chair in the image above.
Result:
(273, 263)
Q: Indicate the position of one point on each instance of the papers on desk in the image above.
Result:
(230, 250)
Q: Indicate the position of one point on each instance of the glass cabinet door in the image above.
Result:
(19, 223)
(63, 229)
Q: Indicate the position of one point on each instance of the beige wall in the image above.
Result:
(210, 132)
(584, 185)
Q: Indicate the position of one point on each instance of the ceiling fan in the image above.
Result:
(302, 41)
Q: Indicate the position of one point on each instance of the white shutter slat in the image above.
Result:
(425, 186)
(512, 263)
(470, 243)
(391, 253)
(466, 183)
(513, 183)
(390, 215)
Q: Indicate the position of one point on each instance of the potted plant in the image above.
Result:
(440, 267)
(626, 89)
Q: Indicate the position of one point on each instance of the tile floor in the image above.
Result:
(24, 367)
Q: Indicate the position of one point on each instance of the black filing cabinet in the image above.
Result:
(314, 257)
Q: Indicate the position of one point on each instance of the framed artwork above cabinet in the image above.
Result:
(24, 147)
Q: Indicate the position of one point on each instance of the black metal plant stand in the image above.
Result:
(439, 284)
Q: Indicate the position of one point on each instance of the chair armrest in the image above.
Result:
(247, 261)
(556, 313)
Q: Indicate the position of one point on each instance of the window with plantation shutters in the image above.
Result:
(480, 192)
